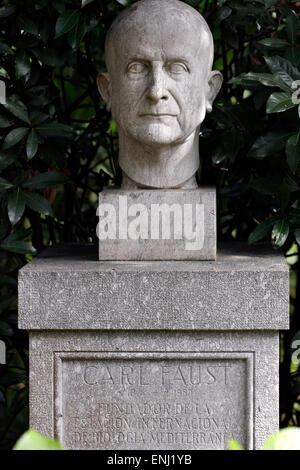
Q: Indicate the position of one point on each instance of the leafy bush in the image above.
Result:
(59, 148)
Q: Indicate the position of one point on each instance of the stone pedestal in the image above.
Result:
(154, 355)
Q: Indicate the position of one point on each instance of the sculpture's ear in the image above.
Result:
(104, 87)
(214, 84)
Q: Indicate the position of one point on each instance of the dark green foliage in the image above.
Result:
(59, 148)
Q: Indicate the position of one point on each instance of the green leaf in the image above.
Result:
(66, 22)
(285, 439)
(7, 10)
(15, 206)
(267, 3)
(5, 122)
(5, 184)
(37, 203)
(283, 69)
(274, 43)
(53, 129)
(22, 65)
(266, 79)
(50, 56)
(293, 151)
(8, 280)
(279, 102)
(36, 117)
(44, 180)
(14, 136)
(5, 49)
(32, 440)
(123, 2)
(17, 108)
(58, 5)
(8, 157)
(86, 2)
(268, 144)
(28, 25)
(262, 230)
(5, 329)
(234, 445)
(21, 234)
(297, 235)
(292, 27)
(31, 144)
(293, 55)
(18, 246)
(280, 233)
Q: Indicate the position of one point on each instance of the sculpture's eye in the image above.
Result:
(137, 67)
(177, 67)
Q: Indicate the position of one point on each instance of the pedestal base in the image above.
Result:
(159, 390)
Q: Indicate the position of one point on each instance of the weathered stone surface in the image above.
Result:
(2, 352)
(67, 288)
(154, 355)
(157, 224)
(154, 390)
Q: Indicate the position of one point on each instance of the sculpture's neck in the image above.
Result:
(169, 166)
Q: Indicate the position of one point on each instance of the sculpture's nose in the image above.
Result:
(157, 88)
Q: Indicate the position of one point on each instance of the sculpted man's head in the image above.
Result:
(159, 85)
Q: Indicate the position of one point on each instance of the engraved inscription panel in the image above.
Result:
(153, 401)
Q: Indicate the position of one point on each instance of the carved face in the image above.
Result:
(158, 82)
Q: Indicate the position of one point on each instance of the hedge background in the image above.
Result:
(59, 147)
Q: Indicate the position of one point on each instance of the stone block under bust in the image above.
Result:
(157, 224)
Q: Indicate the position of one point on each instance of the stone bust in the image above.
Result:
(158, 86)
